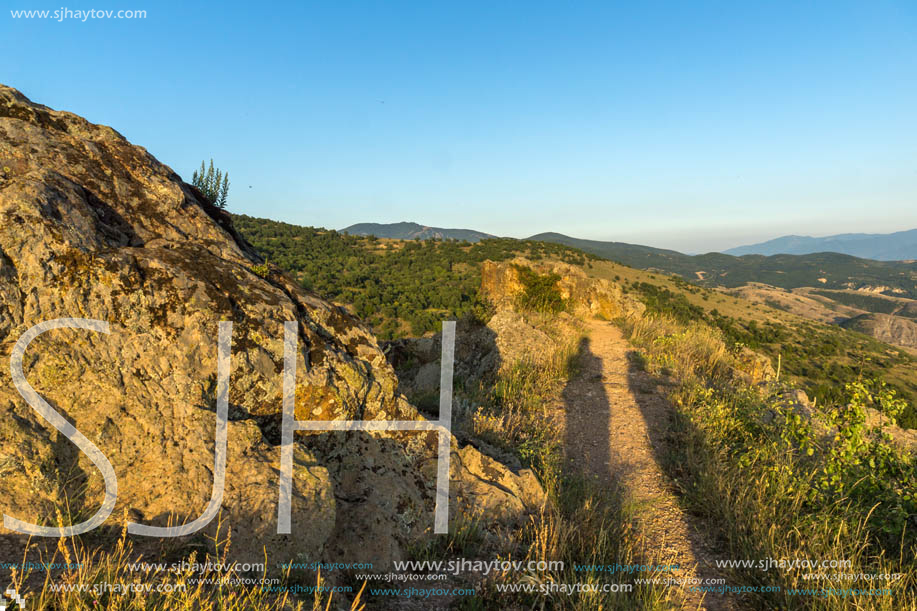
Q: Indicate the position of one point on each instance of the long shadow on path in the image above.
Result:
(618, 432)
(587, 409)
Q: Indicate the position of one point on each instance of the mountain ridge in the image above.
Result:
(829, 270)
(896, 246)
(407, 230)
(825, 269)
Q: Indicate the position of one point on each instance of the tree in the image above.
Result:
(213, 183)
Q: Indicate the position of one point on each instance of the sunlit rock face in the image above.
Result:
(94, 227)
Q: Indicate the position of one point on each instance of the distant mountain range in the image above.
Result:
(899, 246)
(414, 231)
(632, 255)
(830, 270)
(824, 269)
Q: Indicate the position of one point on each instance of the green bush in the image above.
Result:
(213, 183)
(399, 287)
(540, 292)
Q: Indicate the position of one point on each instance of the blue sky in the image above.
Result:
(696, 126)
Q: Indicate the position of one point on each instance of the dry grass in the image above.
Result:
(583, 523)
(516, 413)
(684, 352)
(113, 579)
(592, 526)
(753, 482)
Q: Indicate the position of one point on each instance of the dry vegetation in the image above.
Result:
(770, 486)
(777, 488)
(97, 570)
(583, 523)
(817, 357)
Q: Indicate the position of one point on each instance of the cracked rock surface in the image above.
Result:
(94, 227)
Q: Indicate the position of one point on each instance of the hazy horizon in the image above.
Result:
(654, 242)
(693, 127)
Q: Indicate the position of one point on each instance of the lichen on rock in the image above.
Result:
(94, 227)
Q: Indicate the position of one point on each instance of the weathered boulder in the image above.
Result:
(481, 350)
(516, 339)
(906, 439)
(476, 488)
(416, 359)
(795, 402)
(94, 227)
(788, 402)
(753, 367)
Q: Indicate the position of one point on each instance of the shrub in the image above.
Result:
(776, 484)
(262, 269)
(540, 292)
(213, 183)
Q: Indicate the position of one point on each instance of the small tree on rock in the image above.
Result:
(213, 183)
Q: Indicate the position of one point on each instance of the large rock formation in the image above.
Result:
(94, 227)
(585, 296)
(510, 335)
(895, 330)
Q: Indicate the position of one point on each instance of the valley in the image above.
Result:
(388, 282)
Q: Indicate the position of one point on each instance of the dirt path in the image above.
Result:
(616, 428)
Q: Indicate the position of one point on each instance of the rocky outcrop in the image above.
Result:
(585, 296)
(510, 335)
(753, 367)
(516, 339)
(481, 472)
(481, 350)
(94, 227)
(904, 438)
(895, 330)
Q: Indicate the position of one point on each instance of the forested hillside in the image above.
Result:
(825, 270)
(405, 288)
(399, 287)
(414, 231)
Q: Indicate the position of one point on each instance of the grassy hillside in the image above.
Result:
(770, 483)
(763, 479)
(871, 303)
(399, 287)
(406, 287)
(826, 270)
(820, 358)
